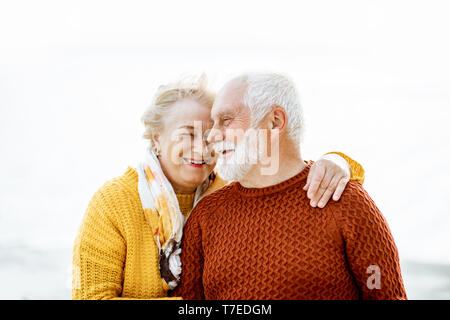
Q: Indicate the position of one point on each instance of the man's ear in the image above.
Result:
(279, 119)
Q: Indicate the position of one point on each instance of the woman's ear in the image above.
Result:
(279, 119)
(155, 138)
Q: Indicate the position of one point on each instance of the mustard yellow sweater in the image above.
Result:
(114, 255)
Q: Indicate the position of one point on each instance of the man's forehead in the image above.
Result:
(229, 98)
(226, 107)
(235, 87)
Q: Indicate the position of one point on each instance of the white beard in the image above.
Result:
(238, 165)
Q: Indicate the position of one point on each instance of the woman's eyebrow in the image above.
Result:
(189, 127)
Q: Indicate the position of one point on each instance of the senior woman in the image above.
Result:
(128, 244)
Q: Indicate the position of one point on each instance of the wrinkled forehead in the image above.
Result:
(229, 100)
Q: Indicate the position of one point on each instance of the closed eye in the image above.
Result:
(188, 134)
(226, 121)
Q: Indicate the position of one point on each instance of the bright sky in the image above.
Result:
(75, 77)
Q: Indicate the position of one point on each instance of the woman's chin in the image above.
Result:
(194, 175)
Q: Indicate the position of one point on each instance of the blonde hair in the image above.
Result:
(166, 95)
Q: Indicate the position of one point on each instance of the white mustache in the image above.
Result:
(220, 147)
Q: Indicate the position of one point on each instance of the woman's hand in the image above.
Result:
(328, 176)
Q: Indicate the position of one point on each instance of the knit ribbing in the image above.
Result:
(256, 192)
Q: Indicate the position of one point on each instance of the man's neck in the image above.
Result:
(289, 166)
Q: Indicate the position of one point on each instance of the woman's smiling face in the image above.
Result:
(183, 150)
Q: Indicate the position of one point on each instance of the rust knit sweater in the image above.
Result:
(269, 243)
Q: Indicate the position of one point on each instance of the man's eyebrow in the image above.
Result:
(226, 113)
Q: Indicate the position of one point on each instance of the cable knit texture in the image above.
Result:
(114, 254)
(269, 243)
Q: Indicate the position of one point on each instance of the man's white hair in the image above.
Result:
(266, 91)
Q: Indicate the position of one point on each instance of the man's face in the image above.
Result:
(231, 119)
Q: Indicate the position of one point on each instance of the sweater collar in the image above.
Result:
(186, 202)
(254, 192)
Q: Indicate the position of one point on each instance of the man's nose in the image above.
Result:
(215, 135)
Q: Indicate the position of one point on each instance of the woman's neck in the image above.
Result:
(179, 189)
(182, 190)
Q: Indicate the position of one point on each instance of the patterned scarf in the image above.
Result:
(162, 210)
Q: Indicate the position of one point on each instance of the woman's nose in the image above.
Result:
(198, 143)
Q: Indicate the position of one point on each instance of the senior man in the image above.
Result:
(258, 237)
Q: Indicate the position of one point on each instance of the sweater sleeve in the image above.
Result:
(371, 251)
(357, 170)
(98, 253)
(191, 284)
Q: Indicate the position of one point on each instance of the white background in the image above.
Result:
(75, 77)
